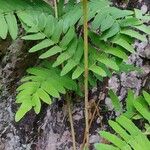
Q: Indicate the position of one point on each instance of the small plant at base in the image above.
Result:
(129, 136)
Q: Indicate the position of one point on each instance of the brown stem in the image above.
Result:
(71, 121)
(85, 18)
(96, 109)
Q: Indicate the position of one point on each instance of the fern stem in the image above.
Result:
(56, 9)
(71, 121)
(85, 18)
(67, 96)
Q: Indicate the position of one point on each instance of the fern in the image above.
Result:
(111, 34)
(130, 137)
(42, 83)
(62, 40)
(135, 105)
(141, 104)
(9, 9)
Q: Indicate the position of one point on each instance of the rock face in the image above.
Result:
(14, 62)
(50, 130)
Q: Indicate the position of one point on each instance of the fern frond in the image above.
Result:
(9, 9)
(129, 136)
(141, 104)
(62, 41)
(42, 83)
(134, 105)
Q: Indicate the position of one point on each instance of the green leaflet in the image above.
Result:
(54, 50)
(67, 54)
(130, 104)
(142, 110)
(3, 27)
(69, 21)
(147, 97)
(36, 36)
(75, 60)
(49, 88)
(42, 20)
(128, 68)
(29, 30)
(99, 78)
(118, 13)
(12, 25)
(26, 18)
(107, 23)
(119, 130)
(116, 52)
(131, 21)
(98, 70)
(134, 34)
(17, 5)
(44, 44)
(69, 85)
(115, 100)
(68, 67)
(67, 38)
(105, 147)
(128, 125)
(25, 94)
(27, 85)
(107, 61)
(60, 7)
(38, 72)
(79, 52)
(78, 71)
(114, 139)
(24, 108)
(106, 69)
(98, 20)
(57, 32)
(50, 26)
(140, 15)
(128, 135)
(122, 42)
(58, 84)
(94, 4)
(32, 78)
(144, 28)
(144, 143)
(92, 80)
(61, 58)
(37, 103)
(43, 96)
(111, 32)
(77, 15)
